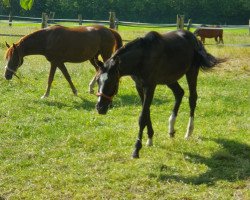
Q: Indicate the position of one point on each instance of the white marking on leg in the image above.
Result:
(149, 142)
(171, 121)
(190, 127)
(45, 96)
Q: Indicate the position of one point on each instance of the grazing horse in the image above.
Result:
(61, 44)
(210, 33)
(152, 60)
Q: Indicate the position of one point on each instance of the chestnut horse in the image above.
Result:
(61, 44)
(210, 33)
(152, 60)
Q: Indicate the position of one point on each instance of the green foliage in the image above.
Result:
(26, 4)
(154, 11)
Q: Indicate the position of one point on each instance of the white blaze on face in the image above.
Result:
(103, 78)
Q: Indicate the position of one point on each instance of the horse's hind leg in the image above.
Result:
(50, 80)
(178, 94)
(192, 75)
(221, 39)
(68, 78)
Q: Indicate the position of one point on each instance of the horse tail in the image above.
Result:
(205, 60)
(118, 39)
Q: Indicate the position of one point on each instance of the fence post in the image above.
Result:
(51, 17)
(116, 23)
(112, 20)
(180, 22)
(189, 24)
(10, 19)
(80, 19)
(44, 20)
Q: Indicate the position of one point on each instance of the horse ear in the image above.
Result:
(14, 46)
(7, 45)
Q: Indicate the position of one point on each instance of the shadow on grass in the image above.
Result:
(119, 101)
(132, 99)
(231, 163)
(85, 104)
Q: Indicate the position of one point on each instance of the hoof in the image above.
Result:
(149, 142)
(172, 134)
(44, 96)
(75, 93)
(135, 155)
(187, 137)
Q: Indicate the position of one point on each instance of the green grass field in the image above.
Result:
(60, 148)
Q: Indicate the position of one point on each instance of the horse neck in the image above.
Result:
(32, 44)
(130, 65)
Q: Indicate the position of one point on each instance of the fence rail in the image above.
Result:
(123, 23)
(35, 20)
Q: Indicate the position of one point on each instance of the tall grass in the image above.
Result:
(60, 148)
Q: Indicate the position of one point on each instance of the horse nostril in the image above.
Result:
(8, 76)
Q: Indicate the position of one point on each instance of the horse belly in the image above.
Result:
(74, 47)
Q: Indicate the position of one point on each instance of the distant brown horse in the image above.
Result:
(61, 44)
(210, 33)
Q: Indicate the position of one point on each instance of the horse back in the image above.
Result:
(77, 44)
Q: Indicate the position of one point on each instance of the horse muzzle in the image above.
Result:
(8, 76)
(102, 110)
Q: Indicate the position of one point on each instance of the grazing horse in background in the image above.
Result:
(205, 32)
(61, 44)
(152, 60)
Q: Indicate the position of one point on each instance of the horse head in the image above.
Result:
(108, 82)
(14, 61)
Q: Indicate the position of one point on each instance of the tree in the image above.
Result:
(26, 4)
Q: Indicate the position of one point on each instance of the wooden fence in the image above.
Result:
(113, 22)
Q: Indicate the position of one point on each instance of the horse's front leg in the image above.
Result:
(68, 78)
(144, 120)
(203, 40)
(216, 40)
(93, 81)
(92, 85)
(50, 80)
